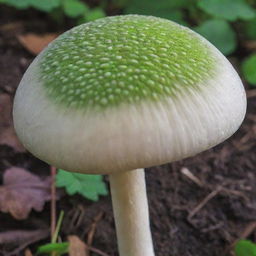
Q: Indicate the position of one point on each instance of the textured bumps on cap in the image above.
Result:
(124, 59)
(127, 92)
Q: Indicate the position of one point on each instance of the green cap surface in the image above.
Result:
(124, 59)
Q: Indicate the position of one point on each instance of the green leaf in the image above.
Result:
(94, 14)
(245, 248)
(89, 186)
(163, 8)
(74, 8)
(220, 34)
(58, 248)
(249, 69)
(228, 9)
(45, 5)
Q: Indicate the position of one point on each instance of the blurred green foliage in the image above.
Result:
(250, 29)
(74, 8)
(249, 69)
(220, 33)
(70, 8)
(225, 23)
(169, 9)
(231, 10)
(46, 5)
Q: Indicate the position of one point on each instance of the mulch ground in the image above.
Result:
(199, 206)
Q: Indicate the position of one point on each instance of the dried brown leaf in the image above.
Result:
(7, 133)
(36, 43)
(77, 247)
(18, 237)
(23, 191)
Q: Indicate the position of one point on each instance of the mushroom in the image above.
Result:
(124, 93)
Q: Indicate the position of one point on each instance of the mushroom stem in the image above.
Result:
(129, 199)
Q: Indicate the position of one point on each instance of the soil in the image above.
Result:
(199, 206)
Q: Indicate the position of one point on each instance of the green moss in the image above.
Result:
(124, 59)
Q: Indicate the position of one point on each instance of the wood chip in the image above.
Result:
(77, 247)
(28, 252)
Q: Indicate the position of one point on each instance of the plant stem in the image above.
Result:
(129, 198)
(57, 230)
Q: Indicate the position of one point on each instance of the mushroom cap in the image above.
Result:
(127, 92)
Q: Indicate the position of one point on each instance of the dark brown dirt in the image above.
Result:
(226, 189)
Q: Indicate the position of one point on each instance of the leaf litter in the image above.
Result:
(23, 191)
(36, 43)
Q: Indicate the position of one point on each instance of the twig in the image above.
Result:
(92, 230)
(248, 230)
(191, 176)
(236, 193)
(53, 202)
(81, 215)
(76, 215)
(213, 227)
(204, 202)
(97, 251)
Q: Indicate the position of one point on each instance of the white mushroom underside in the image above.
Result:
(129, 137)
